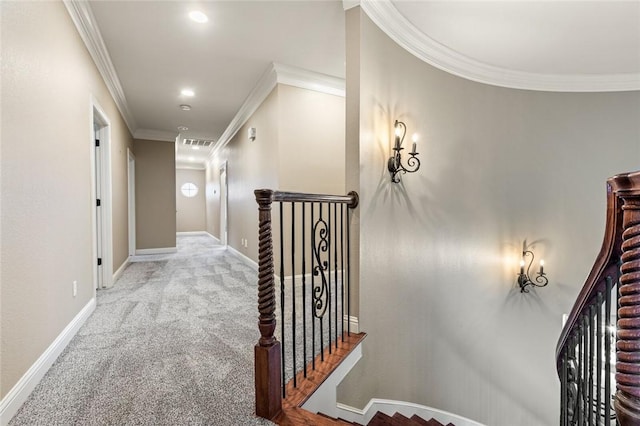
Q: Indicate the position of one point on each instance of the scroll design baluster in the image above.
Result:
(627, 401)
(320, 246)
(267, 350)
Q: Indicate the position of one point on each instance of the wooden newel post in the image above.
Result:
(627, 401)
(267, 350)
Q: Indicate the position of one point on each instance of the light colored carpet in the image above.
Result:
(170, 344)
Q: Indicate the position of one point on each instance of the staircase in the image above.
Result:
(381, 419)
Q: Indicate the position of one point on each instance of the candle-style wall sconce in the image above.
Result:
(394, 164)
(524, 277)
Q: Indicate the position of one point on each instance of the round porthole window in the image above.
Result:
(189, 189)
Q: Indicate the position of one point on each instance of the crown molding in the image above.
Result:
(82, 17)
(277, 74)
(155, 135)
(385, 15)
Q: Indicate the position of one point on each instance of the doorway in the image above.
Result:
(131, 184)
(100, 143)
(223, 204)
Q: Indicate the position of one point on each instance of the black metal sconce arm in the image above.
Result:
(524, 279)
(394, 165)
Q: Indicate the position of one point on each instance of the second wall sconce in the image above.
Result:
(395, 161)
(524, 279)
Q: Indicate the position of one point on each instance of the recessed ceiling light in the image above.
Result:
(185, 107)
(195, 147)
(198, 17)
(187, 92)
(183, 128)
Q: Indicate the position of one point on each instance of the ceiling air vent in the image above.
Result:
(198, 142)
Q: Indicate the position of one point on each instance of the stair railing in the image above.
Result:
(609, 301)
(313, 258)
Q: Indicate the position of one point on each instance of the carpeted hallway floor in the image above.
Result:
(170, 344)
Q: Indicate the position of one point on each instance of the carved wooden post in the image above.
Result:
(267, 350)
(627, 401)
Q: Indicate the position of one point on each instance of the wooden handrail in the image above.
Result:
(268, 350)
(619, 256)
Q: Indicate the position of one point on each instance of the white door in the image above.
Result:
(223, 204)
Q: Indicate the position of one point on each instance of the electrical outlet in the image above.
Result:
(75, 288)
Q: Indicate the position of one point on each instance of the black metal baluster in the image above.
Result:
(335, 270)
(348, 276)
(342, 207)
(585, 365)
(591, 316)
(293, 293)
(304, 292)
(282, 337)
(599, 357)
(313, 318)
(329, 271)
(607, 352)
(320, 217)
(563, 388)
(579, 397)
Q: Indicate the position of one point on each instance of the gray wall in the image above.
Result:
(439, 252)
(190, 214)
(155, 194)
(48, 79)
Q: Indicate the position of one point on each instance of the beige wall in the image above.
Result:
(48, 79)
(310, 141)
(439, 252)
(155, 194)
(190, 215)
(299, 147)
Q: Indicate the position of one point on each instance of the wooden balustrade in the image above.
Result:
(583, 353)
(326, 234)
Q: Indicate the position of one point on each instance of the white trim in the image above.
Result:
(87, 26)
(385, 15)
(185, 166)
(216, 239)
(98, 115)
(13, 400)
(155, 135)
(251, 263)
(185, 233)
(408, 409)
(351, 322)
(283, 74)
(120, 270)
(161, 250)
(310, 80)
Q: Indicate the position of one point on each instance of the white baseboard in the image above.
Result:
(161, 250)
(351, 323)
(120, 270)
(216, 239)
(250, 262)
(187, 233)
(12, 402)
(408, 409)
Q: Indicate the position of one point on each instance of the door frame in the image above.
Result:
(224, 205)
(99, 119)
(131, 194)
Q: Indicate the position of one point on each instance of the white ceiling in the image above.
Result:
(156, 50)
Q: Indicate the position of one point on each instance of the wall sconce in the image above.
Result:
(395, 162)
(524, 279)
(252, 134)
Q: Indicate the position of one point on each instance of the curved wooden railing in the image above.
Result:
(318, 260)
(611, 295)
